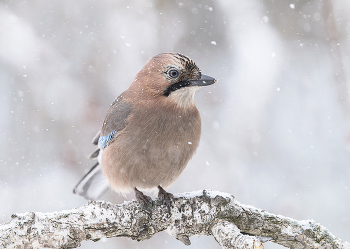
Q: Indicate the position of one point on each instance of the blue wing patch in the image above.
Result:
(103, 141)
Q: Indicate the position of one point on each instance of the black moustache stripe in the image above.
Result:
(175, 87)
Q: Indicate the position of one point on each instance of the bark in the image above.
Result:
(206, 212)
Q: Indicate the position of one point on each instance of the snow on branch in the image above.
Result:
(206, 212)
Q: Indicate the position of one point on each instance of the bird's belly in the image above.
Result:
(148, 161)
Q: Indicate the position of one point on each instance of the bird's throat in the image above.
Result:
(184, 97)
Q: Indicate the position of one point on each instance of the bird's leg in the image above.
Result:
(145, 200)
(166, 198)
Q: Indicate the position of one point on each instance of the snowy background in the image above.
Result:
(276, 128)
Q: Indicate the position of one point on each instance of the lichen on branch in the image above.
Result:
(233, 225)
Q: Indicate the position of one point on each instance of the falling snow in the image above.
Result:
(275, 125)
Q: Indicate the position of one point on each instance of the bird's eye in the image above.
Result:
(173, 73)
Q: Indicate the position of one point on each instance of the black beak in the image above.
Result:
(205, 80)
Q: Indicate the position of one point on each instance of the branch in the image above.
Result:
(206, 212)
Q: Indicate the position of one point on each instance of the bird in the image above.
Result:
(150, 131)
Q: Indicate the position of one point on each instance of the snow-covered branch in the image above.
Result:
(206, 212)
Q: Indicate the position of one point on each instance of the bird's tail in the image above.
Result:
(93, 185)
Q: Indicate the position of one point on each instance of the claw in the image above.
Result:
(166, 198)
(145, 200)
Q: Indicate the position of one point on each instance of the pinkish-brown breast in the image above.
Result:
(154, 148)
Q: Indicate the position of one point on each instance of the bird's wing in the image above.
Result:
(116, 116)
(94, 184)
(95, 139)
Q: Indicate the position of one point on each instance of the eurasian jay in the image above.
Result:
(150, 132)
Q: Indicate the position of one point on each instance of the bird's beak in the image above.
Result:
(205, 80)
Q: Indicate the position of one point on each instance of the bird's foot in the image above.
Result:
(165, 197)
(145, 200)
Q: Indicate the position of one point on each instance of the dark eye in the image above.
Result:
(173, 73)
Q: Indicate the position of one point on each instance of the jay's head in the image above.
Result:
(171, 77)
